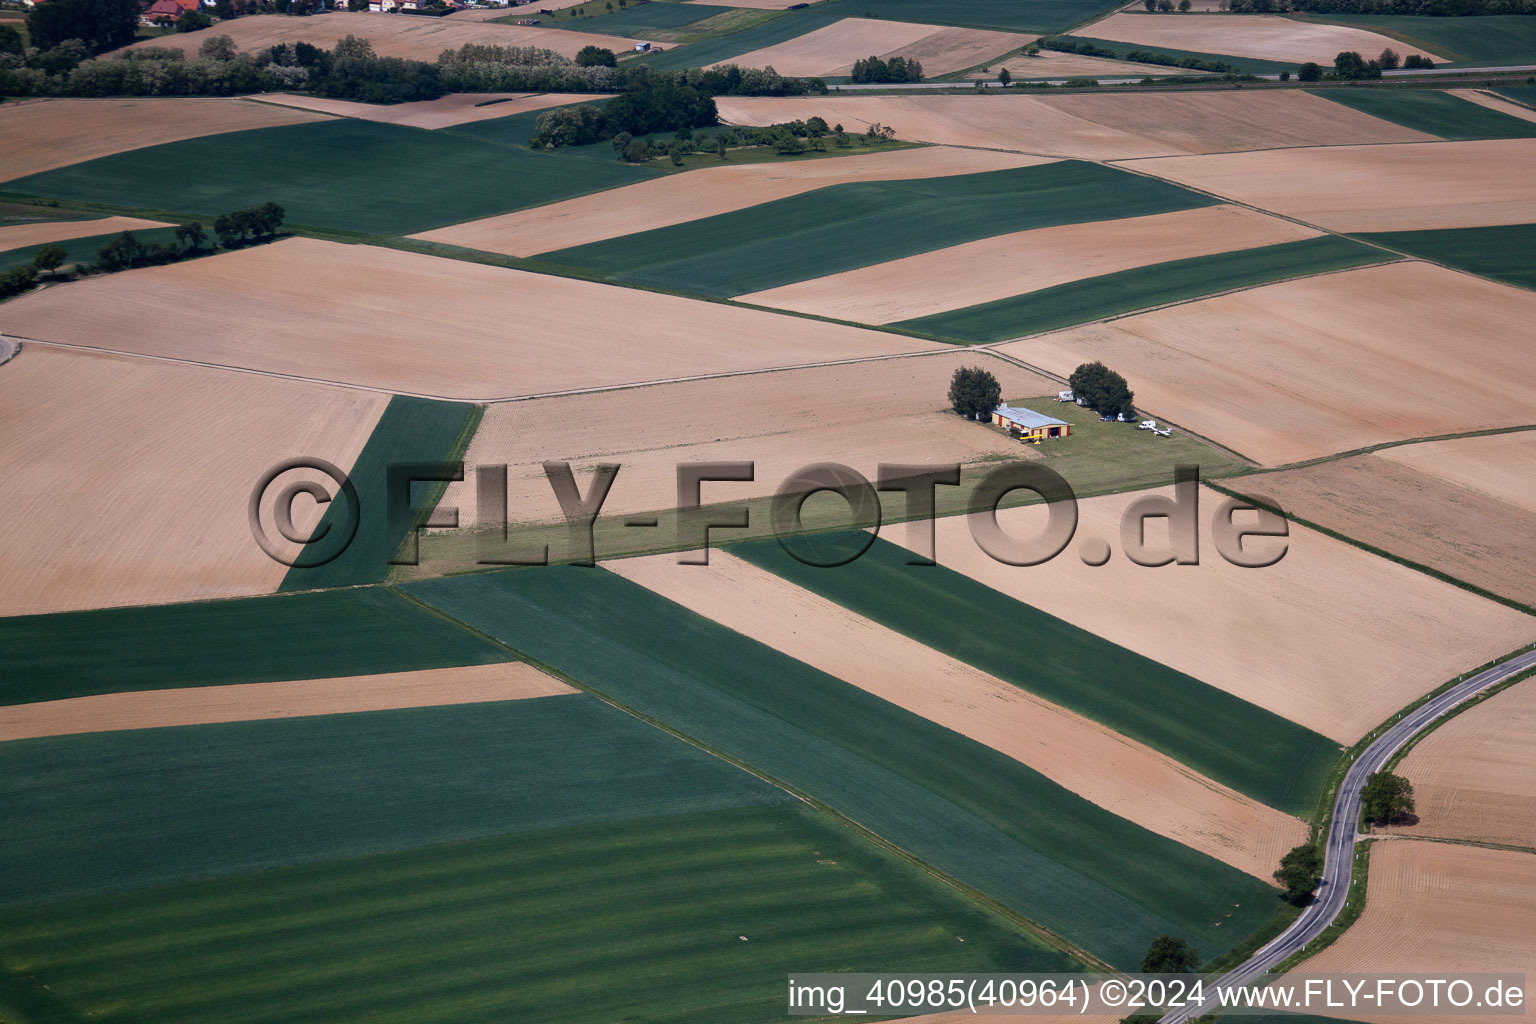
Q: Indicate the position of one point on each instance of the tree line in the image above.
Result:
(1429, 8)
(1140, 56)
(68, 34)
(127, 251)
(897, 69)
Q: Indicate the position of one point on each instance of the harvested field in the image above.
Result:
(832, 50)
(1093, 126)
(1236, 628)
(1025, 261)
(782, 421)
(1284, 348)
(391, 35)
(206, 705)
(711, 190)
(24, 235)
(39, 135)
(403, 321)
(1475, 776)
(1117, 774)
(1437, 909)
(1268, 37)
(87, 494)
(1374, 188)
(455, 108)
(1463, 507)
(1493, 101)
(1053, 64)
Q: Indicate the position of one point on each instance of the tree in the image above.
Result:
(1309, 72)
(1105, 391)
(1169, 954)
(121, 253)
(1150, 5)
(720, 146)
(191, 21)
(1387, 798)
(49, 258)
(1298, 873)
(190, 236)
(1004, 77)
(1350, 66)
(1389, 59)
(11, 41)
(596, 57)
(1285, 76)
(1417, 60)
(221, 48)
(1184, 6)
(100, 24)
(268, 218)
(621, 142)
(974, 392)
(637, 152)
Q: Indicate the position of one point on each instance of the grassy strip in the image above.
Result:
(1107, 295)
(1254, 751)
(965, 809)
(1099, 458)
(640, 920)
(138, 808)
(338, 173)
(301, 636)
(1437, 113)
(1502, 253)
(412, 430)
(843, 227)
(1400, 560)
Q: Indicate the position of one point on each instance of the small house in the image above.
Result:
(642, 47)
(1027, 423)
(162, 12)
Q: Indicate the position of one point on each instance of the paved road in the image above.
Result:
(1339, 863)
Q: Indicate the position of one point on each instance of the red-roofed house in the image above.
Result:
(162, 11)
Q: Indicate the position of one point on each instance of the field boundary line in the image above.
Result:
(1026, 924)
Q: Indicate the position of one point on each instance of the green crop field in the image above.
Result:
(1247, 65)
(1018, 15)
(755, 36)
(1525, 94)
(843, 227)
(411, 431)
(688, 919)
(976, 814)
(1246, 747)
(1488, 39)
(342, 173)
(1502, 253)
(146, 807)
(638, 21)
(518, 129)
(1129, 290)
(262, 639)
(81, 250)
(1432, 111)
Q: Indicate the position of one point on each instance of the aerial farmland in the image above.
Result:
(715, 512)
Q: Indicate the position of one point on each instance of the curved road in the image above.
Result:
(1339, 860)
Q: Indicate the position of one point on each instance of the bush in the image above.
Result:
(1417, 60)
(1309, 72)
(192, 21)
(596, 57)
(14, 282)
(1298, 873)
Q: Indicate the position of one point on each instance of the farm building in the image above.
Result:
(1029, 423)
